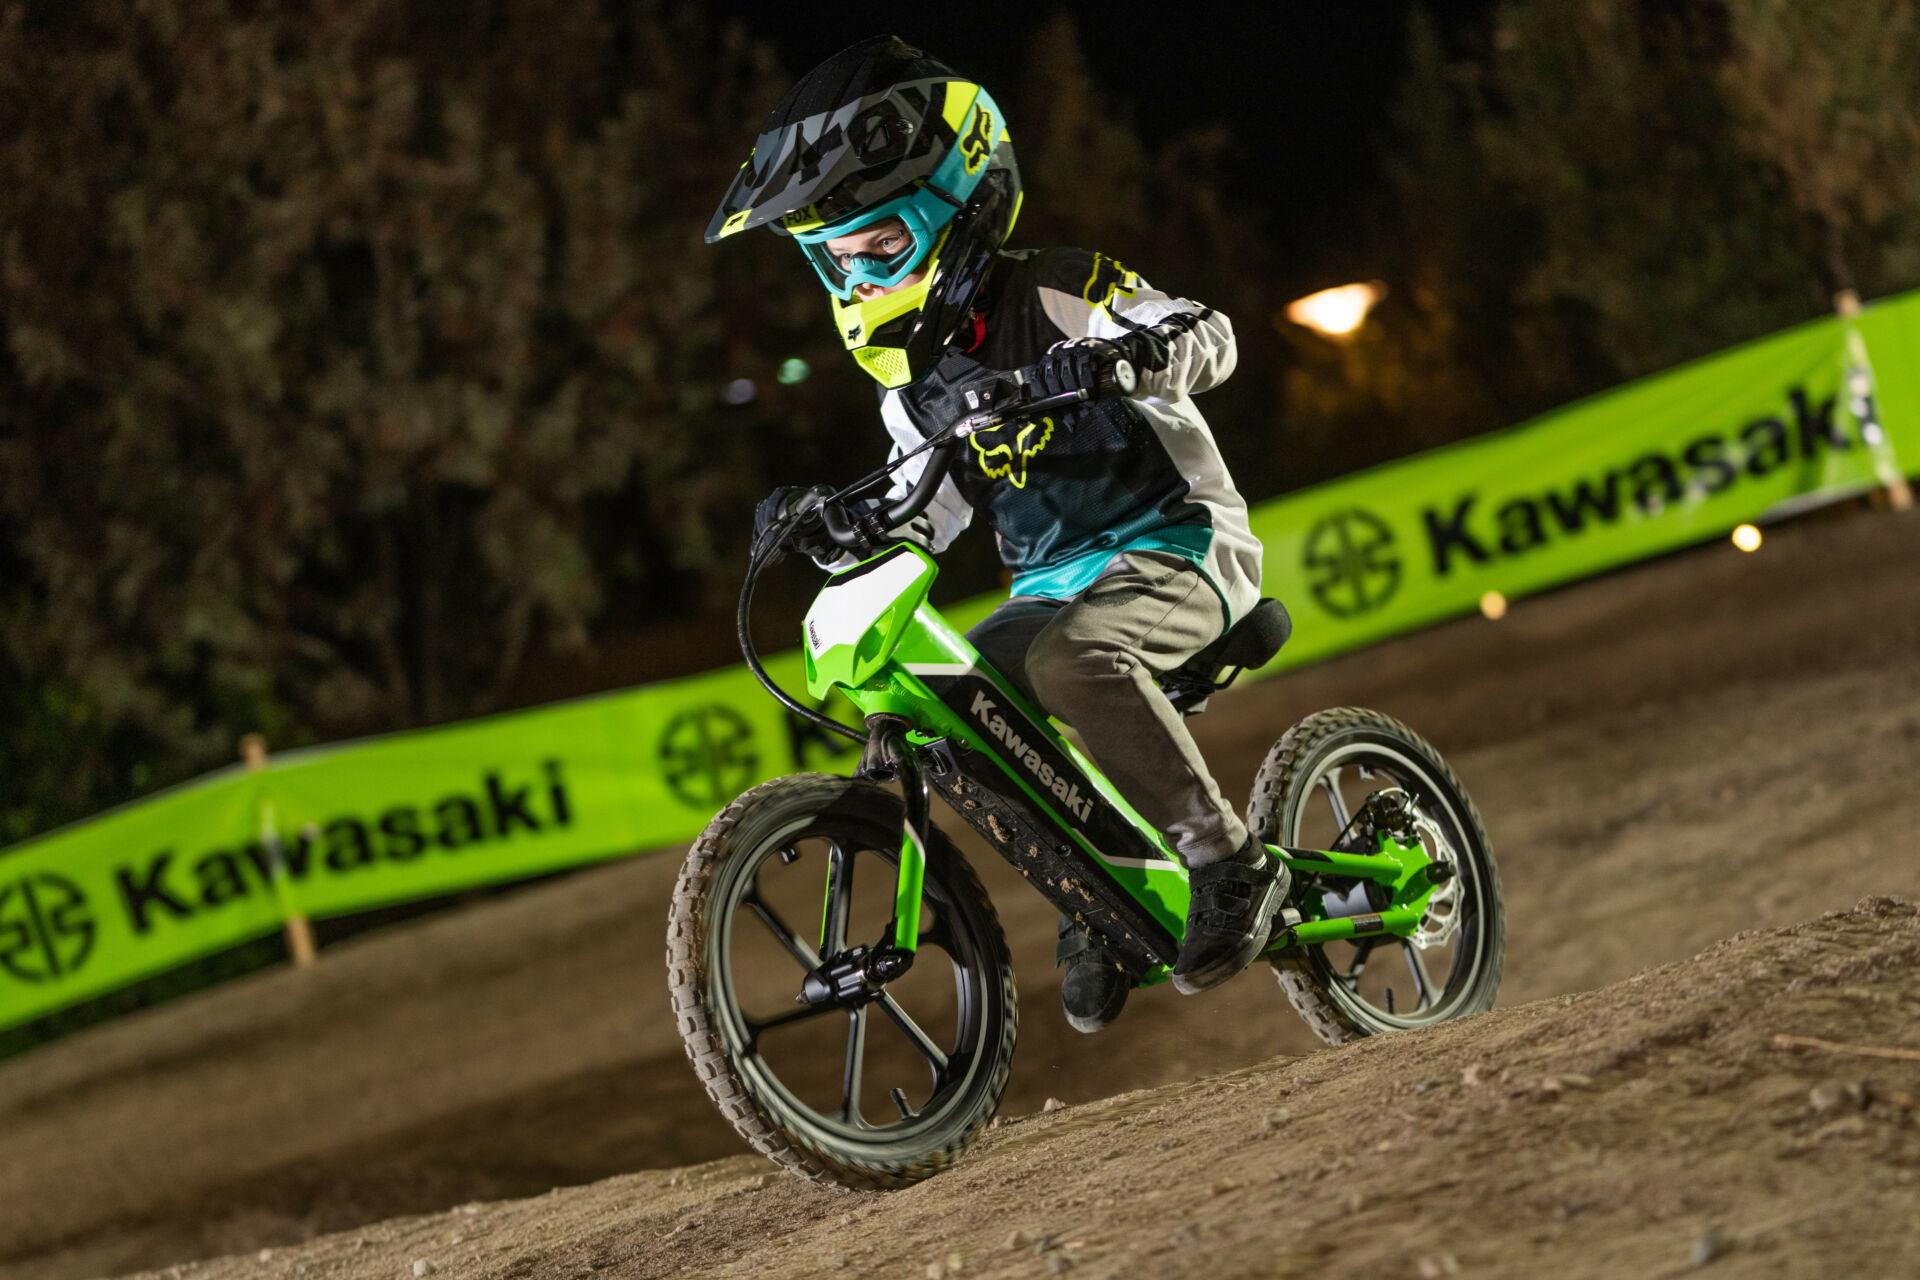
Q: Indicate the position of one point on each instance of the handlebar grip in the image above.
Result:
(1118, 379)
(833, 517)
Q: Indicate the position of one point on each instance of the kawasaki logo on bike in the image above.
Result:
(1064, 789)
(1031, 753)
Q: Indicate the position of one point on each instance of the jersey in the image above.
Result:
(1068, 491)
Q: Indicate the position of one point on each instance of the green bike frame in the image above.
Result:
(1007, 770)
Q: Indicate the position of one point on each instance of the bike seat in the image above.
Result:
(1250, 642)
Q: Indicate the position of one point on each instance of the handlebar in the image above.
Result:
(1117, 379)
(859, 533)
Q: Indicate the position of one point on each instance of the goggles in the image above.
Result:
(923, 212)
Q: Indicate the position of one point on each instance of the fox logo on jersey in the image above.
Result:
(1010, 460)
(1106, 279)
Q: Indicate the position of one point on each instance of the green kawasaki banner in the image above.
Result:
(1798, 418)
(342, 829)
(1775, 426)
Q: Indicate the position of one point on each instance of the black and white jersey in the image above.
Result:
(1067, 491)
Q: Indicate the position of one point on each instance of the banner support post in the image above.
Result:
(253, 750)
(1859, 388)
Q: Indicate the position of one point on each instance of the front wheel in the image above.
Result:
(1312, 783)
(872, 1092)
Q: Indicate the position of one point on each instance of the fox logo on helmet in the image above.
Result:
(977, 145)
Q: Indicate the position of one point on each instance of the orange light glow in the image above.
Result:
(1335, 313)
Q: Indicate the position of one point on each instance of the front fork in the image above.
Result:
(889, 757)
(856, 975)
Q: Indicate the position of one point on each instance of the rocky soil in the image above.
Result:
(1713, 746)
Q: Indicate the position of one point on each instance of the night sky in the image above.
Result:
(1305, 90)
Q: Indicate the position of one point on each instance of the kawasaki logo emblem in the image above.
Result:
(1350, 563)
(707, 755)
(1064, 790)
(46, 927)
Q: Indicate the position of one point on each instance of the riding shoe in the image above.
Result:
(1229, 917)
(1094, 989)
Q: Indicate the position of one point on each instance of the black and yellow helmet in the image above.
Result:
(882, 131)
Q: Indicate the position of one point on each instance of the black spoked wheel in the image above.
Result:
(877, 1090)
(1313, 781)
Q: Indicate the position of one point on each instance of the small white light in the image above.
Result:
(739, 391)
(1494, 605)
(1747, 538)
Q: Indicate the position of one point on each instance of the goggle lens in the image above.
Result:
(871, 265)
(879, 268)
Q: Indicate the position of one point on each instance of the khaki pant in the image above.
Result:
(1091, 662)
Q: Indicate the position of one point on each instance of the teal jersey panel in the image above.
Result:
(1068, 578)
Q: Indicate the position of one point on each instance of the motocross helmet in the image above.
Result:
(882, 131)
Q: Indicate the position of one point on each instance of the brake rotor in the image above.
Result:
(1442, 916)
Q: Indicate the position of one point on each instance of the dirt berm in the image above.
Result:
(1666, 757)
(1639, 1130)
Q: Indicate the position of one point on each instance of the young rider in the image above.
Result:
(1127, 541)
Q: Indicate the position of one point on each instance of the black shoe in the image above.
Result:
(1095, 987)
(1230, 916)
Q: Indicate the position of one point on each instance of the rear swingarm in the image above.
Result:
(1401, 869)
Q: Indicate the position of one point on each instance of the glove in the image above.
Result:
(1083, 364)
(809, 534)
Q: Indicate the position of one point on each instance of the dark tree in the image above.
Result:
(352, 353)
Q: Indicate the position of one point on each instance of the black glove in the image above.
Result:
(809, 534)
(1085, 365)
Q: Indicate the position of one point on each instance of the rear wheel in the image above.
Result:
(1312, 783)
(874, 1092)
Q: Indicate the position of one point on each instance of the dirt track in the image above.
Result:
(1666, 757)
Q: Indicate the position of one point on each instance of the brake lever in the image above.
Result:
(991, 418)
(1120, 379)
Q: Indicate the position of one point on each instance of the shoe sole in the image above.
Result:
(1191, 984)
(1090, 1023)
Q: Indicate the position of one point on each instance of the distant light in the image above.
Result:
(1747, 538)
(1494, 605)
(793, 370)
(739, 391)
(1335, 313)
